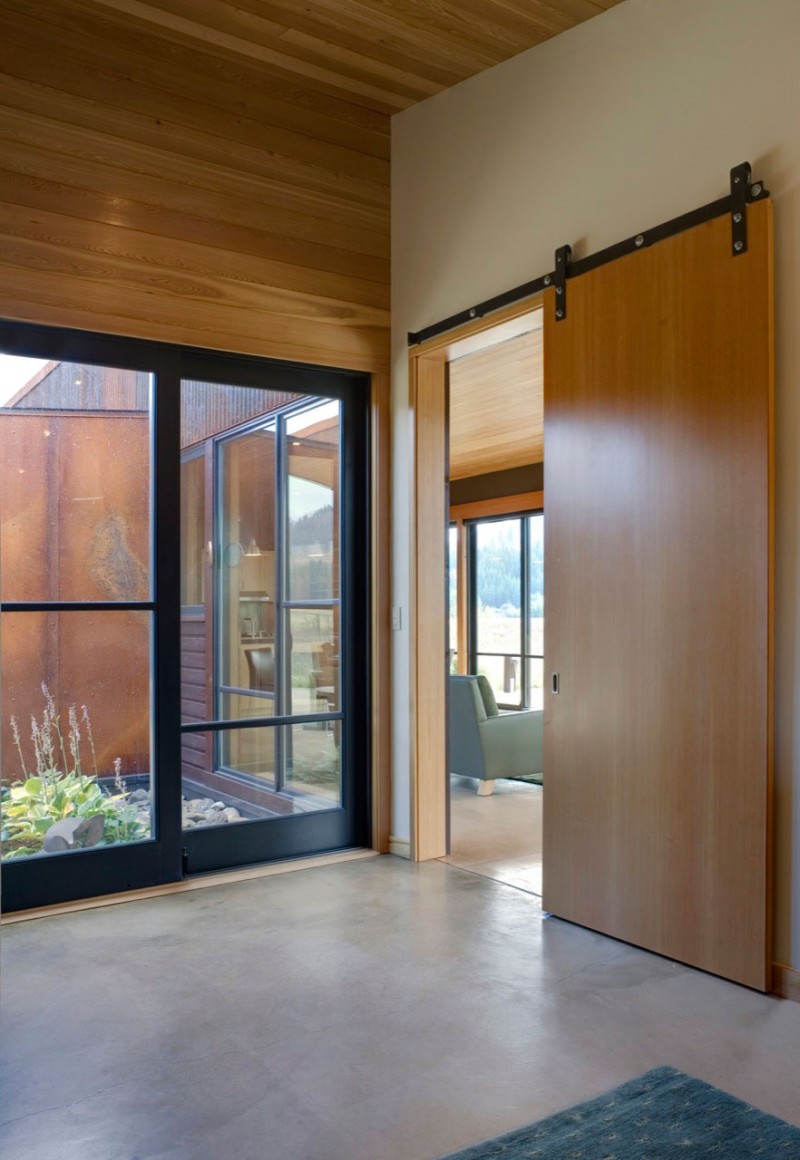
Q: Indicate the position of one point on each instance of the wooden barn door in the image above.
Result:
(658, 438)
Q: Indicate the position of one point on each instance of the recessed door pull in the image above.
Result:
(555, 683)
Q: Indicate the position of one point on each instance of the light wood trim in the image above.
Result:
(504, 506)
(381, 614)
(786, 982)
(428, 413)
(491, 330)
(201, 882)
(462, 614)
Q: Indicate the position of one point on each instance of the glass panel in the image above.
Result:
(535, 683)
(244, 786)
(239, 605)
(536, 588)
(74, 481)
(76, 765)
(452, 575)
(193, 531)
(232, 779)
(313, 503)
(499, 609)
(313, 641)
(246, 539)
(505, 677)
(313, 766)
(240, 706)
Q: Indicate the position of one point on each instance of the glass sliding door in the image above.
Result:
(184, 612)
(76, 627)
(263, 757)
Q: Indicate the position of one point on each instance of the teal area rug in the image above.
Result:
(662, 1115)
(530, 778)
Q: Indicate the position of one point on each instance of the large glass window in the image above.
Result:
(184, 630)
(268, 631)
(75, 537)
(506, 596)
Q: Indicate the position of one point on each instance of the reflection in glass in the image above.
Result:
(238, 783)
(314, 660)
(313, 773)
(247, 783)
(246, 546)
(313, 503)
(535, 683)
(74, 482)
(76, 765)
(193, 531)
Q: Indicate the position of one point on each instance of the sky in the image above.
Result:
(15, 372)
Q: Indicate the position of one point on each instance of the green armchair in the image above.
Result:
(486, 743)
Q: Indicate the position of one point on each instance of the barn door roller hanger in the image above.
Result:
(743, 191)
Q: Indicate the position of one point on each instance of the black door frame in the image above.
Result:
(43, 880)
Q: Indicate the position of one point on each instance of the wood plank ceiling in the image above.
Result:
(497, 406)
(218, 173)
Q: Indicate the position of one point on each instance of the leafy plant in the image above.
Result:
(54, 792)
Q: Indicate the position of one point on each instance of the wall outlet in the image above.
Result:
(397, 619)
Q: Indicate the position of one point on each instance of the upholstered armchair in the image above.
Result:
(486, 743)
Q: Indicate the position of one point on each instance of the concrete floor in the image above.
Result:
(499, 836)
(374, 1010)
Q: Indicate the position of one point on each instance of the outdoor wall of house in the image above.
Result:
(156, 185)
(612, 127)
(74, 528)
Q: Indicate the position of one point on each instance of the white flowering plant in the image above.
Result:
(56, 788)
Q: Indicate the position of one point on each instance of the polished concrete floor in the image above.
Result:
(499, 836)
(374, 1010)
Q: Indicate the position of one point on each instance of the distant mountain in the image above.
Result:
(313, 529)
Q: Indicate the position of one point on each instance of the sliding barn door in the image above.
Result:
(658, 449)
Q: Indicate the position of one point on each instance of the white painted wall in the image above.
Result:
(626, 121)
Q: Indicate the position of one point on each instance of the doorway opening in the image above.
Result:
(496, 608)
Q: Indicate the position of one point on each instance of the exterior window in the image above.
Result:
(507, 607)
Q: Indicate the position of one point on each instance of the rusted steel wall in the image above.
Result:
(74, 506)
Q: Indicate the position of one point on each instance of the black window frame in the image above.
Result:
(525, 654)
(172, 853)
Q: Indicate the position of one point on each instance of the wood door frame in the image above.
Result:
(428, 424)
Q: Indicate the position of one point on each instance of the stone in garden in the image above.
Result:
(72, 833)
(231, 815)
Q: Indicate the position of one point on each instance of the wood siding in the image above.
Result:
(196, 748)
(157, 185)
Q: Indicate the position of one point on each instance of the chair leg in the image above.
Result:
(485, 787)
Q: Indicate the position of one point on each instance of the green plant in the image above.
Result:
(54, 792)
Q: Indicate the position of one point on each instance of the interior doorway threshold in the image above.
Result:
(198, 882)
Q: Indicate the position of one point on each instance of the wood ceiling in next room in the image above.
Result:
(497, 406)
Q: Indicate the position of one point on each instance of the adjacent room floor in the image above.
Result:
(499, 836)
(373, 1010)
